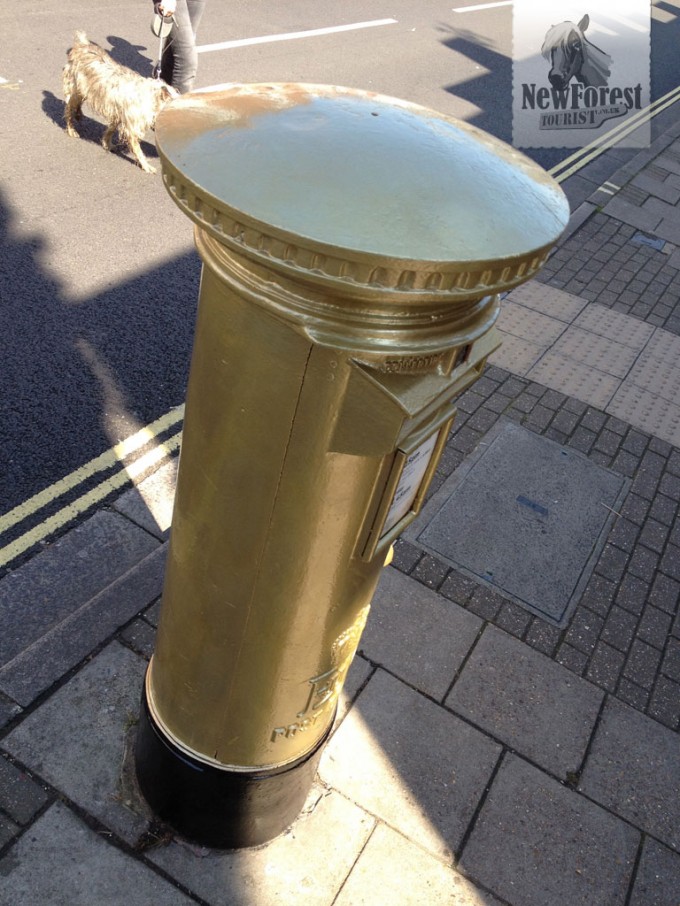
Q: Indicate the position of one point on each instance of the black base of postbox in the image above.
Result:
(214, 807)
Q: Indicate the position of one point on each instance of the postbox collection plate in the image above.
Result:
(410, 474)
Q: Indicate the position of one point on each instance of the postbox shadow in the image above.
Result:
(80, 377)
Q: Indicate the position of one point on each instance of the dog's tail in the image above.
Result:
(81, 37)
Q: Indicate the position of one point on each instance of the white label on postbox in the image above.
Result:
(410, 481)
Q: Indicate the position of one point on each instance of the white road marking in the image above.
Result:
(473, 9)
(293, 35)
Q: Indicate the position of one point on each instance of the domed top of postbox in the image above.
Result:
(357, 186)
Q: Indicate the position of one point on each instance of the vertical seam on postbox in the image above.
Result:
(264, 544)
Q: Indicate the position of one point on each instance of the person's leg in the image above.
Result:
(196, 9)
(180, 60)
(167, 64)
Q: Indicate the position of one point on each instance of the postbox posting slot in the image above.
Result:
(381, 407)
(462, 355)
(405, 480)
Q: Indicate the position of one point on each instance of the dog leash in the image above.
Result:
(161, 26)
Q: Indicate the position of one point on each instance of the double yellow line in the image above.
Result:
(579, 159)
(128, 454)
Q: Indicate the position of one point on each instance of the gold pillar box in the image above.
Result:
(353, 249)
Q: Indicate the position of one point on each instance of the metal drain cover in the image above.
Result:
(525, 516)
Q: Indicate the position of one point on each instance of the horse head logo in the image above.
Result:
(573, 56)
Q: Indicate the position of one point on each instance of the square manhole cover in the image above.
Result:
(526, 516)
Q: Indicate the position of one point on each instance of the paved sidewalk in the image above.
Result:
(493, 746)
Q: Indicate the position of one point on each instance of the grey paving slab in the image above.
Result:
(579, 216)
(150, 503)
(634, 194)
(140, 636)
(595, 351)
(578, 188)
(61, 862)
(633, 769)
(392, 870)
(657, 368)
(8, 710)
(517, 354)
(657, 882)
(152, 613)
(660, 189)
(632, 214)
(416, 634)
(547, 299)
(538, 843)
(63, 646)
(669, 228)
(20, 796)
(663, 208)
(531, 703)
(627, 330)
(565, 374)
(529, 323)
(306, 864)
(8, 830)
(76, 739)
(525, 516)
(410, 762)
(57, 581)
(647, 410)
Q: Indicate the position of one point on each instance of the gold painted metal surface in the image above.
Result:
(337, 169)
(353, 248)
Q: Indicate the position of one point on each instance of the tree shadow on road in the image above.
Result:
(491, 91)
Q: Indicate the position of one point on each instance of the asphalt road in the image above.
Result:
(98, 274)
